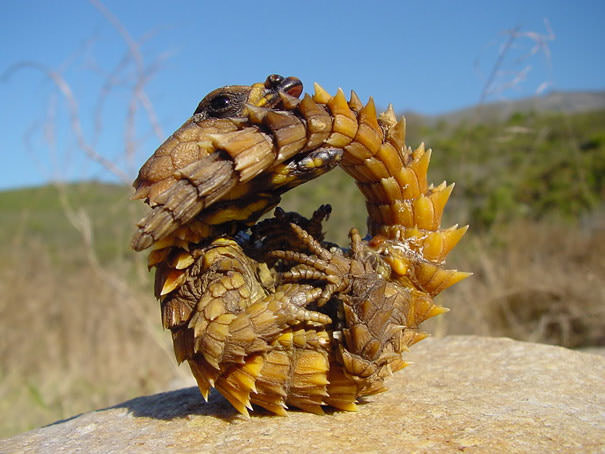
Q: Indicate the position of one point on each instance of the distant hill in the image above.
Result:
(560, 102)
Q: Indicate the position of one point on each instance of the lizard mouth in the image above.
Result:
(276, 84)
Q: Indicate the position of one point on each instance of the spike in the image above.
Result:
(425, 272)
(434, 279)
(311, 408)
(354, 102)
(202, 376)
(360, 336)
(419, 151)
(388, 117)
(204, 390)
(441, 186)
(156, 256)
(278, 409)
(241, 407)
(319, 122)
(218, 330)
(254, 161)
(311, 362)
(345, 123)
(436, 310)
(368, 113)
(438, 245)
(418, 336)
(338, 103)
(369, 133)
(316, 379)
(183, 260)
(403, 213)
(375, 388)
(209, 349)
(396, 135)
(237, 385)
(288, 101)
(391, 188)
(320, 96)
(256, 114)
(390, 158)
(423, 213)
(343, 405)
(236, 142)
(289, 131)
(357, 365)
(408, 180)
(141, 192)
(398, 365)
(452, 237)
(420, 305)
(455, 277)
(342, 386)
(168, 242)
(286, 339)
(299, 338)
(420, 165)
(253, 366)
(244, 380)
(377, 169)
(439, 198)
(173, 280)
(398, 265)
(356, 152)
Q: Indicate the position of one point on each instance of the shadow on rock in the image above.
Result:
(181, 403)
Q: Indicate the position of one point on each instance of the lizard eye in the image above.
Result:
(219, 106)
(220, 103)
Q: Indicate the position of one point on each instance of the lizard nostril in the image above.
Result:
(273, 81)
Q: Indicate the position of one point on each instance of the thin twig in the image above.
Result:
(501, 78)
(74, 115)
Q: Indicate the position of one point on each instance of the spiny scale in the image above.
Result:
(306, 325)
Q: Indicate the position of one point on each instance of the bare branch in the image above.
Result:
(76, 126)
(500, 78)
(142, 76)
(496, 68)
(133, 46)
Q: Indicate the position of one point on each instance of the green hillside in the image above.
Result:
(531, 166)
(58, 216)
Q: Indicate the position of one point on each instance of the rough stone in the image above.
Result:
(471, 394)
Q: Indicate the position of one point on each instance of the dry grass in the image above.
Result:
(72, 341)
(535, 281)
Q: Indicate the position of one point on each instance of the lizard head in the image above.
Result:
(219, 112)
(230, 101)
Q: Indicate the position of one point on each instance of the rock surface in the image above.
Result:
(468, 394)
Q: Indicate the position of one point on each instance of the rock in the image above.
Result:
(463, 393)
(593, 350)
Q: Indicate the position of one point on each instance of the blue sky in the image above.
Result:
(429, 57)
